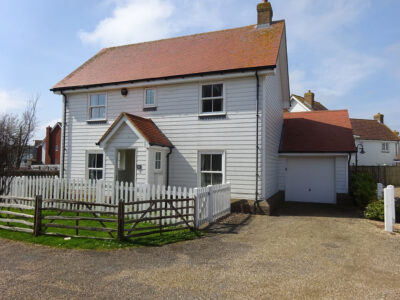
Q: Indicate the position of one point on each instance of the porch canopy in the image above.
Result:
(142, 127)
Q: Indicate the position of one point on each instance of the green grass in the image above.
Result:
(155, 239)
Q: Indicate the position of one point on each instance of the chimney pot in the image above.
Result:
(379, 118)
(309, 98)
(264, 14)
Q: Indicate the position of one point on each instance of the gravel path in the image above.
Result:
(307, 252)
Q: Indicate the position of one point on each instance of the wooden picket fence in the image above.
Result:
(164, 207)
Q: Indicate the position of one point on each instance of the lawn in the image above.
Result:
(155, 239)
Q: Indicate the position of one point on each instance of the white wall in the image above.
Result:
(297, 107)
(373, 155)
(177, 117)
(341, 173)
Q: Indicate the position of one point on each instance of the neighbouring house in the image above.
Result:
(189, 111)
(380, 143)
(397, 160)
(306, 103)
(314, 156)
(48, 150)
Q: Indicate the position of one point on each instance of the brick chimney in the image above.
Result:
(379, 118)
(309, 98)
(264, 14)
(47, 158)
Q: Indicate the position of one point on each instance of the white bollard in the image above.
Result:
(389, 208)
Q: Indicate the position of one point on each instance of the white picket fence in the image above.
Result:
(210, 203)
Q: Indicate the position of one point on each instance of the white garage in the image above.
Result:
(310, 179)
(314, 156)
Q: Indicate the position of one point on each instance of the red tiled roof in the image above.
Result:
(372, 130)
(225, 50)
(146, 127)
(317, 132)
(317, 105)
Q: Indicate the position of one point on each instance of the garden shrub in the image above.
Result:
(364, 189)
(375, 210)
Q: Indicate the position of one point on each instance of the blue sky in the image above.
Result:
(346, 51)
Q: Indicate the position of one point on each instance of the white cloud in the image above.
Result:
(11, 101)
(393, 55)
(132, 21)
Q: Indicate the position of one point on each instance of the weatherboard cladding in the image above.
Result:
(226, 50)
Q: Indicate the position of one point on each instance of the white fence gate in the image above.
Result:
(211, 202)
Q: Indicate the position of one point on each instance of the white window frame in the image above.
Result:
(89, 119)
(385, 147)
(223, 96)
(156, 160)
(145, 105)
(87, 163)
(212, 152)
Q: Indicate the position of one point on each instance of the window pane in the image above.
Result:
(217, 162)
(207, 91)
(207, 105)
(94, 100)
(99, 174)
(205, 162)
(205, 179)
(216, 178)
(94, 113)
(102, 112)
(92, 174)
(92, 161)
(217, 105)
(102, 99)
(99, 161)
(217, 90)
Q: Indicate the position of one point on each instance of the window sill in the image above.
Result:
(383, 151)
(213, 116)
(150, 108)
(96, 121)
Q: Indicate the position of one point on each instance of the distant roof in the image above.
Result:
(317, 132)
(226, 50)
(146, 127)
(372, 130)
(317, 105)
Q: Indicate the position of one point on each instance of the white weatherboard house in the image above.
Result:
(306, 103)
(188, 111)
(380, 143)
(200, 93)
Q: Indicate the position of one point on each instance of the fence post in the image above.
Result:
(121, 219)
(380, 190)
(210, 201)
(389, 208)
(37, 216)
(196, 209)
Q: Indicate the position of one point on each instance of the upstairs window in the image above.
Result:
(150, 98)
(212, 98)
(385, 147)
(95, 165)
(97, 107)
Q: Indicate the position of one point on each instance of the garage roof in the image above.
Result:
(317, 132)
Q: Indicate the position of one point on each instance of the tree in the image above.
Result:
(16, 131)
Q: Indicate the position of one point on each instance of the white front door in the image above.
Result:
(310, 179)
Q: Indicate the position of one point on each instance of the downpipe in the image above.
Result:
(256, 204)
(64, 130)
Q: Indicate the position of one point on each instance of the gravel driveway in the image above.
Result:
(307, 252)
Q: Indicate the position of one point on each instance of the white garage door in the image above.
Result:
(310, 179)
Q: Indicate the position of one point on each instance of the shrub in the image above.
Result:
(364, 189)
(375, 210)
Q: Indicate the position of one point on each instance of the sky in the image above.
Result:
(346, 51)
